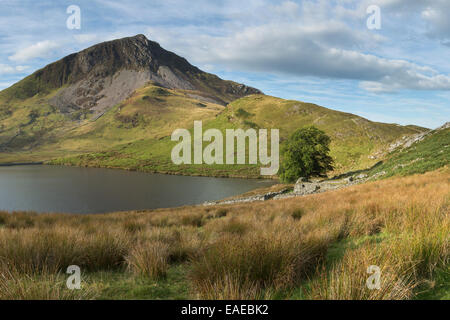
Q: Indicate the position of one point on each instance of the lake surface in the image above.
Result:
(91, 190)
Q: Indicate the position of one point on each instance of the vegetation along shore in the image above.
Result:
(312, 247)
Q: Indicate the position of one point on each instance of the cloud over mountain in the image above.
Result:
(313, 40)
(263, 43)
(40, 49)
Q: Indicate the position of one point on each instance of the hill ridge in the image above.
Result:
(103, 65)
(121, 99)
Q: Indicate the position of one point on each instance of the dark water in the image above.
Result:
(89, 190)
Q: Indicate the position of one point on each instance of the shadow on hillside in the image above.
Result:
(352, 173)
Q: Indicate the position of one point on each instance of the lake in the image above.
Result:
(43, 188)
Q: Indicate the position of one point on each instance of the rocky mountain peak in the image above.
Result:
(103, 75)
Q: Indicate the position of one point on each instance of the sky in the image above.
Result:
(335, 53)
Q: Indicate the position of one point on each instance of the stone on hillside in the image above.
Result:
(361, 176)
(444, 126)
(349, 179)
(304, 187)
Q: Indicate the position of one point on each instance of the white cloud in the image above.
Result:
(41, 49)
(433, 12)
(320, 38)
(7, 69)
(437, 15)
(325, 49)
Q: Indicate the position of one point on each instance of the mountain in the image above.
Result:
(105, 74)
(357, 143)
(418, 153)
(115, 104)
(82, 87)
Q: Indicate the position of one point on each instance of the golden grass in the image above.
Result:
(347, 280)
(151, 260)
(320, 243)
(15, 285)
(252, 264)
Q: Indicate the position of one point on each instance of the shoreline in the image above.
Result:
(258, 186)
(11, 164)
(172, 173)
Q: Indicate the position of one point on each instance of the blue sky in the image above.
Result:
(318, 51)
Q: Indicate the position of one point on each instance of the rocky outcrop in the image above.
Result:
(304, 186)
(407, 141)
(260, 197)
(444, 126)
(105, 74)
(361, 176)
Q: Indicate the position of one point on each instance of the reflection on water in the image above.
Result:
(91, 190)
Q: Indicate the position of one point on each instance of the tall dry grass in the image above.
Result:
(251, 266)
(151, 260)
(45, 285)
(256, 250)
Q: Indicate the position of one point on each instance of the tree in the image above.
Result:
(305, 154)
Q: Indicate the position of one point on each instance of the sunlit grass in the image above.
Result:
(313, 247)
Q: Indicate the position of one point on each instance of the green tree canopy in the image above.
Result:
(305, 154)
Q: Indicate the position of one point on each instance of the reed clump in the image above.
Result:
(320, 244)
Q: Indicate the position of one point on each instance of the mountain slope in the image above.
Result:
(151, 112)
(115, 104)
(423, 153)
(357, 143)
(76, 91)
(107, 73)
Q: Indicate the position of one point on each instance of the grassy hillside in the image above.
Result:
(353, 138)
(426, 155)
(109, 106)
(34, 131)
(109, 94)
(311, 247)
(356, 142)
